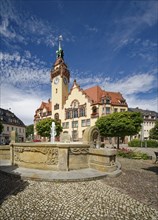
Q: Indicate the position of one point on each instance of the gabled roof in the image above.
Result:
(47, 105)
(8, 117)
(96, 94)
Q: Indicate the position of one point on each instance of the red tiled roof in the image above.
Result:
(47, 105)
(96, 94)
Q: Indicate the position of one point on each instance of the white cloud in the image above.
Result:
(140, 82)
(21, 102)
(130, 87)
(26, 71)
(146, 104)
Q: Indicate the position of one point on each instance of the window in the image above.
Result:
(7, 128)
(65, 124)
(122, 110)
(115, 110)
(85, 123)
(68, 115)
(103, 110)
(19, 130)
(82, 112)
(94, 110)
(12, 128)
(107, 100)
(75, 113)
(88, 122)
(56, 106)
(74, 124)
(75, 104)
(103, 101)
(56, 116)
(107, 110)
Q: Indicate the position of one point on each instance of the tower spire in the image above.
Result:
(60, 52)
(60, 39)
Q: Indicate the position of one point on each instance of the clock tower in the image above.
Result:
(60, 77)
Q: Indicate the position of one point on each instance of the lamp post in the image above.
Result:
(142, 135)
(72, 123)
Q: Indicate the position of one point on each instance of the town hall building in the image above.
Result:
(74, 107)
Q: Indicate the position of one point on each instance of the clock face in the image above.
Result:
(56, 80)
(65, 80)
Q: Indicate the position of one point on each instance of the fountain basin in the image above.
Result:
(62, 156)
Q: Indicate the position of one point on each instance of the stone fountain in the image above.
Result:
(65, 155)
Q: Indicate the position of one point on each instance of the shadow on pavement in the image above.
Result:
(10, 184)
(152, 169)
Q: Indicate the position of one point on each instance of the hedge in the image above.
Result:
(147, 143)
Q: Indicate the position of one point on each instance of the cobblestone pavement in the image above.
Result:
(104, 199)
(139, 180)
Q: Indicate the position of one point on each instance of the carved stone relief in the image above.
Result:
(51, 154)
(79, 150)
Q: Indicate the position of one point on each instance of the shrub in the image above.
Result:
(148, 143)
(127, 153)
(134, 143)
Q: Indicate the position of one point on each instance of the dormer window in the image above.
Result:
(107, 100)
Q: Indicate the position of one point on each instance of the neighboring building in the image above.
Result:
(149, 118)
(11, 123)
(44, 111)
(78, 108)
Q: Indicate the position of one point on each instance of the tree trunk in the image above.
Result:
(118, 141)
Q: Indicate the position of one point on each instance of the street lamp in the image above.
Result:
(72, 122)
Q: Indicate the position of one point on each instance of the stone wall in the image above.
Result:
(4, 152)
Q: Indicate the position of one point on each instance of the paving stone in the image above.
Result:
(110, 198)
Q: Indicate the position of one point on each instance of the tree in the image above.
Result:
(120, 124)
(1, 127)
(29, 130)
(43, 127)
(153, 133)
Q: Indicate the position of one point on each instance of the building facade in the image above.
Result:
(76, 108)
(11, 123)
(149, 118)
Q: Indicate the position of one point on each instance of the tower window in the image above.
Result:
(56, 116)
(56, 90)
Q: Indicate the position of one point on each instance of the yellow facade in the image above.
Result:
(77, 109)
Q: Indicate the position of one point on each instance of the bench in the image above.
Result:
(156, 153)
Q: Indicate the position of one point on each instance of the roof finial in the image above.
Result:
(60, 52)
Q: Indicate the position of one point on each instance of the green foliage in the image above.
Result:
(120, 124)
(153, 134)
(29, 130)
(43, 127)
(1, 127)
(127, 153)
(147, 143)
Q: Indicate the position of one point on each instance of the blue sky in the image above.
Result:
(112, 44)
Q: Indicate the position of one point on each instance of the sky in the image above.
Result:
(110, 43)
